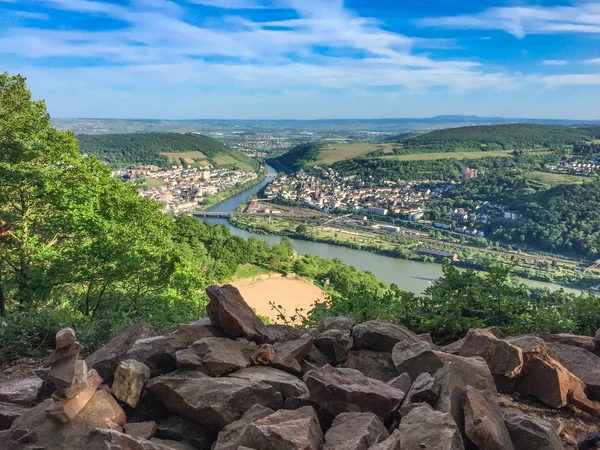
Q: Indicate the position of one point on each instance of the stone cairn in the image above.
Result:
(229, 382)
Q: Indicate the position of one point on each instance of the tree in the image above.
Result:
(302, 229)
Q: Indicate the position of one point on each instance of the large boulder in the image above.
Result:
(336, 323)
(287, 384)
(529, 433)
(581, 363)
(20, 391)
(228, 310)
(380, 335)
(130, 378)
(9, 413)
(484, 424)
(355, 431)
(378, 365)
(289, 355)
(64, 410)
(415, 357)
(391, 443)
(214, 356)
(100, 439)
(457, 373)
(503, 358)
(425, 389)
(339, 390)
(212, 402)
(230, 438)
(181, 429)
(402, 382)
(334, 344)
(584, 342)
(297, 429)
(106, 359)
(158, 352)
(543, 376)
(426, 429)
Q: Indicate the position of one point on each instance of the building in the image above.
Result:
(510, 215)
(468, 174)
(452, 256)
(377, 211)
(442, 225)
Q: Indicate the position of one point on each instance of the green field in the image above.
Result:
(449, 155)
(332, 153)
(554, 179)
(154, 182)
(187, 157)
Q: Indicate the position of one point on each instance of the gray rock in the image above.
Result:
(391, 443)
(530, 433)
(426, 429)
(581, 363)
(231, 437)
(402, 382)
(380, 335)
(425, 389)
(21, 391)
(334, 344)
(415, 357)
(378, 365)
(355, 431)
(289, 355)
(214, 356)
(9, 413)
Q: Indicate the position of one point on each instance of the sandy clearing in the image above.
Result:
(287, 292)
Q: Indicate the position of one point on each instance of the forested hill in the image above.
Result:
(299, 157)
(496, 137)
(162, 149)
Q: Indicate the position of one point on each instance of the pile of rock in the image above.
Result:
(229, 382)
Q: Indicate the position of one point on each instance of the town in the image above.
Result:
(184, 189)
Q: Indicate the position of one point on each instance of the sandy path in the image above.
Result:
(289, 293)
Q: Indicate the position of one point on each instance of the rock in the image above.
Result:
(212, 402)
(501, 357)
(214, 356)
(149, 408)
(263, 355)
(454, 347)
(113, 440)
(289, 355)
(143, 430)
(426, 429)
(425, 389)
(106, 359)
(407, 407)
(426, 337)
(378, 365)
(288, 385)
(298, 429)
(65, 410)
(414, 358)
(334, 344)
(336, 323)
(283, 333)
(65, 338)
(484, 424)
(314, 359)
(102, 411)
(543, 376)
(380, 335)
(180, 429)
(22, 391)
(158, 352)
(457, 373)
(63, 365)
(231, 436)
(581, 363)
(130, 378)
(402, 382)
(597, 341)
(339, 390)
(584, 342)
(79, 381)
(391, 443)
(355, 431)
(228, 310)
(9, 413)
(528, 433)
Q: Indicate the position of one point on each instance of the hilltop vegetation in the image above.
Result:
(156, 149)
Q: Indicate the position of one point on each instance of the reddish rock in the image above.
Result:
(501, 357)
(287, 384)
(414, 358)
(424, 389)
(391, 443)
(528, 432)
(228, 310)
(484, 424)
(378, 365)
(584, 342)
(334, 344)
(106, 359)
(339, 390)
(581, 363)
(230, 438)
(143, 430)
(65, 338)
(402, 382)
(289, 355)
(426, 429)
(355, 431)
(214, 356)
(263, 355)
(381, 336)
(65, 410)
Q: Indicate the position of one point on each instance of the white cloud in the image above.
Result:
(592, 61)
(231, 4)
(521, 21)
(555, 62)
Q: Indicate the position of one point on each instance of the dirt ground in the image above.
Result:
(289, 293)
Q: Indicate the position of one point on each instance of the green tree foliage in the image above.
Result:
(147, 148)
(300, 157)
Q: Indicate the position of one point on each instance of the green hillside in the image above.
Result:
(496, 137)
(162, 149)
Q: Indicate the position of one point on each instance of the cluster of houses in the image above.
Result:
(183, 189)
(575, 166)
(330, 191)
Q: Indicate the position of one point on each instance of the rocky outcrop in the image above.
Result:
(355, 431)
(229, 311)
(339, 390)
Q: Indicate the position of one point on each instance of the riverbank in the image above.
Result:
(272, 295)
(211, 201)
(390, 246)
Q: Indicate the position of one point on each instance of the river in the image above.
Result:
(413, 276)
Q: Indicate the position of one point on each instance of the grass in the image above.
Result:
(154, 182)
(332, 153)
(244, 271)
(554, 179)
(449, 155)
(187, 157)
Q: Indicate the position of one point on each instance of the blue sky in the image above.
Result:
(306, 59)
